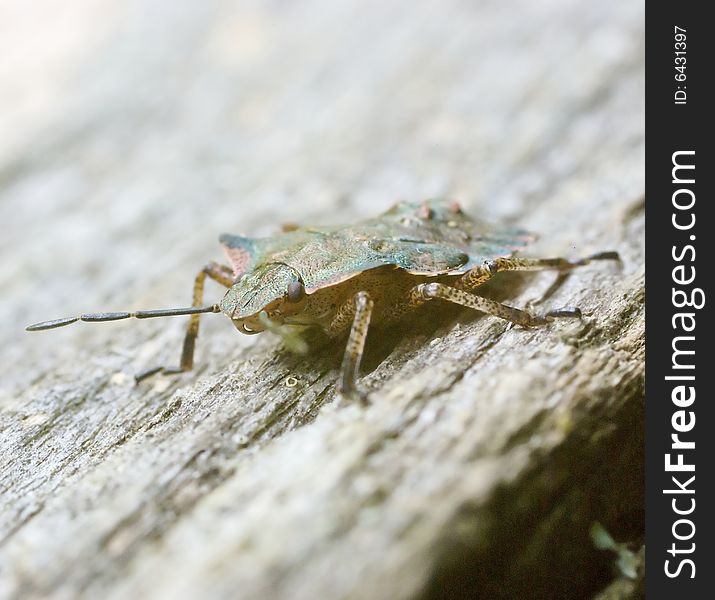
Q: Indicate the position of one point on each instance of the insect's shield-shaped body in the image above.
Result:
(384, 257)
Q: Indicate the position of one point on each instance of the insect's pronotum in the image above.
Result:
(344, 278)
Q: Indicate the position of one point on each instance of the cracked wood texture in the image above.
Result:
(134, 133)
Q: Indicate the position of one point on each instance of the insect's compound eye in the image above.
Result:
(296, 291)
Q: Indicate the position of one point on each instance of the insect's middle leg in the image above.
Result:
(223, 275)
(484, 272)
(429, 291)
(357, 309)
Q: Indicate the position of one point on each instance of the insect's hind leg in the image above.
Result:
(484, 272)
(357, 309)
(223, 275)
(429, 291)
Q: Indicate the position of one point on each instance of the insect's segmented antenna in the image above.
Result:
(117, 316)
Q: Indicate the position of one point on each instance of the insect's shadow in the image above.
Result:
(433, 317)
(423, 323)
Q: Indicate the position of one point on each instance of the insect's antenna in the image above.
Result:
(118, 316)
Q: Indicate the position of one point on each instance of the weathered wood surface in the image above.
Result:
(137, 132)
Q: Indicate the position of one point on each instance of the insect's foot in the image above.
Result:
(607, 255)
(139, 377)
(354, 395)
(569, 312)
(537, 321)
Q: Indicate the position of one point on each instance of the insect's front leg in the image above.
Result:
(484, 272)
(223, 275)
(429, 291)
(357, 310)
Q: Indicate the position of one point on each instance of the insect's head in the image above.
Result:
(274, 289)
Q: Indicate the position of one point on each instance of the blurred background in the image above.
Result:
(134, 132)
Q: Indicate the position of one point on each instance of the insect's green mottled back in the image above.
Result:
(429, 238)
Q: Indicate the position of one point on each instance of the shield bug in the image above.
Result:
(343, 278)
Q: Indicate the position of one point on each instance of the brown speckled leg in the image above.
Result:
(359, 310)
(484, 272)
(217, 272)
(429, 291)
